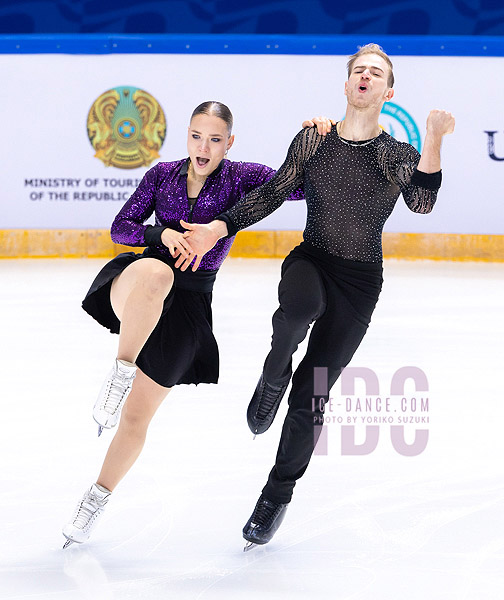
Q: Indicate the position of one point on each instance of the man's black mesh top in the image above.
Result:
(350, 189)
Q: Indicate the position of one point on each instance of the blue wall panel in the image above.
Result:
(409, 17)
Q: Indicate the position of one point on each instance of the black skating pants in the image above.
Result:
(339, 296)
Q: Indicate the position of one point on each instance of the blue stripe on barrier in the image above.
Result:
(413, 45)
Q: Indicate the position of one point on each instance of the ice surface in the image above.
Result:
(377, 527)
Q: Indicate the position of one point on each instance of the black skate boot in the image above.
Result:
(264, 405)
(262, 525)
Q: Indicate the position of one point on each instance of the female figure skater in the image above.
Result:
(163, 315)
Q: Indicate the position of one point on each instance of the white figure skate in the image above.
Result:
(113, 394)
(86, 515)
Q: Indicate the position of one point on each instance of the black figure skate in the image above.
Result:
(264, 405)
(262, 525)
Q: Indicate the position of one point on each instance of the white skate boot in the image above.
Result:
(113, 394)
(86, 515)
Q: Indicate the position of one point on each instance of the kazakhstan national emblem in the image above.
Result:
(126, 127)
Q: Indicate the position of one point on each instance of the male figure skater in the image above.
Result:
(352, 178)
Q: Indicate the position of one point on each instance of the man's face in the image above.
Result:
(367, 85)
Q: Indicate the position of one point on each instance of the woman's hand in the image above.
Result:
(176, 243)
(202, 239)
(323, 124)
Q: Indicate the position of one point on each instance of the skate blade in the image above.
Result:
(249, 546)
(69, 542)
(100, 429)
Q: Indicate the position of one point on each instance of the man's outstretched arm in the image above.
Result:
(419, 177)
(439, 123)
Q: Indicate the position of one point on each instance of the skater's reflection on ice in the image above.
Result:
(87, 573)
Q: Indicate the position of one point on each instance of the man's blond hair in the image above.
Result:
(372, 49)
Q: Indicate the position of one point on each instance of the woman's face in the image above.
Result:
(207, 142)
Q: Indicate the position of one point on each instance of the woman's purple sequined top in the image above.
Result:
(163, 191)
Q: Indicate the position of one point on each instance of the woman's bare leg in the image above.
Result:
(137, 296)
(145, 398)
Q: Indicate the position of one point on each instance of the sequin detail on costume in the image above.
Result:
(350, 191)
(163, 191)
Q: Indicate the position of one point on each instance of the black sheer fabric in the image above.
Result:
(350, 189)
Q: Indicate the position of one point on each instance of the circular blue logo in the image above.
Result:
(400, 124)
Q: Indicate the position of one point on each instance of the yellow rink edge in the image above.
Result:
(96, 243)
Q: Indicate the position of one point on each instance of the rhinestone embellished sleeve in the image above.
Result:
(128, 227)
(264, 200)
(350, 188)
(163, 192)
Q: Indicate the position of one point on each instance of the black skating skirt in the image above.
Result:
(182, 347)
